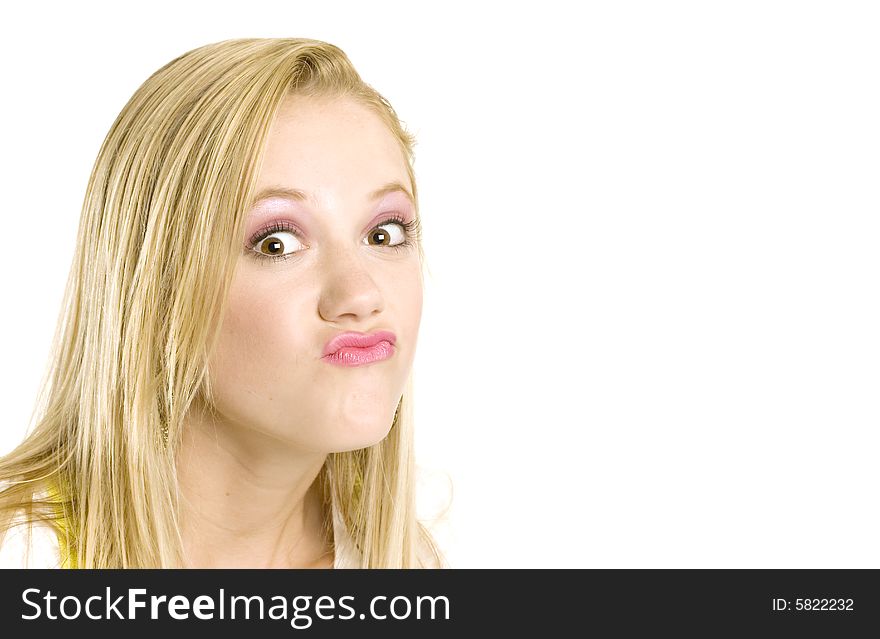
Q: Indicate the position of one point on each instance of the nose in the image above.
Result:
(349, 292)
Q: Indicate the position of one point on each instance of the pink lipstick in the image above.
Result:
(358, 349)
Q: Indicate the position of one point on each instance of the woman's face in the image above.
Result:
(315, 265)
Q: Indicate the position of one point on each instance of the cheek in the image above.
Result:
(404, 294)
(258, 347)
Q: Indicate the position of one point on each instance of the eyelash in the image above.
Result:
(411, 233)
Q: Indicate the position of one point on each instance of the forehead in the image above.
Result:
(332, 145)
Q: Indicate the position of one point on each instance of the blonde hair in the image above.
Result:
(157, 244)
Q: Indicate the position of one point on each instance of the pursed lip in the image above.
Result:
(358, 340)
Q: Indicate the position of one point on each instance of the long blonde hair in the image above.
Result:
(157, 245)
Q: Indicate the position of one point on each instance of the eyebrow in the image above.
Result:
(301, 196)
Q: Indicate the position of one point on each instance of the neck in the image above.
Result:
(249, 500)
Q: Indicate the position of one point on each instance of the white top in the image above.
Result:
(45, 551)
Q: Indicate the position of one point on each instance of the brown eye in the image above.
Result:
(277, 244)
(390, 234)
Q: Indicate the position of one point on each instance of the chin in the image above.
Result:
(363, 435)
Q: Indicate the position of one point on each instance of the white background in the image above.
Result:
(650, 335)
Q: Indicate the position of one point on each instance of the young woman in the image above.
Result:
(231, 381)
